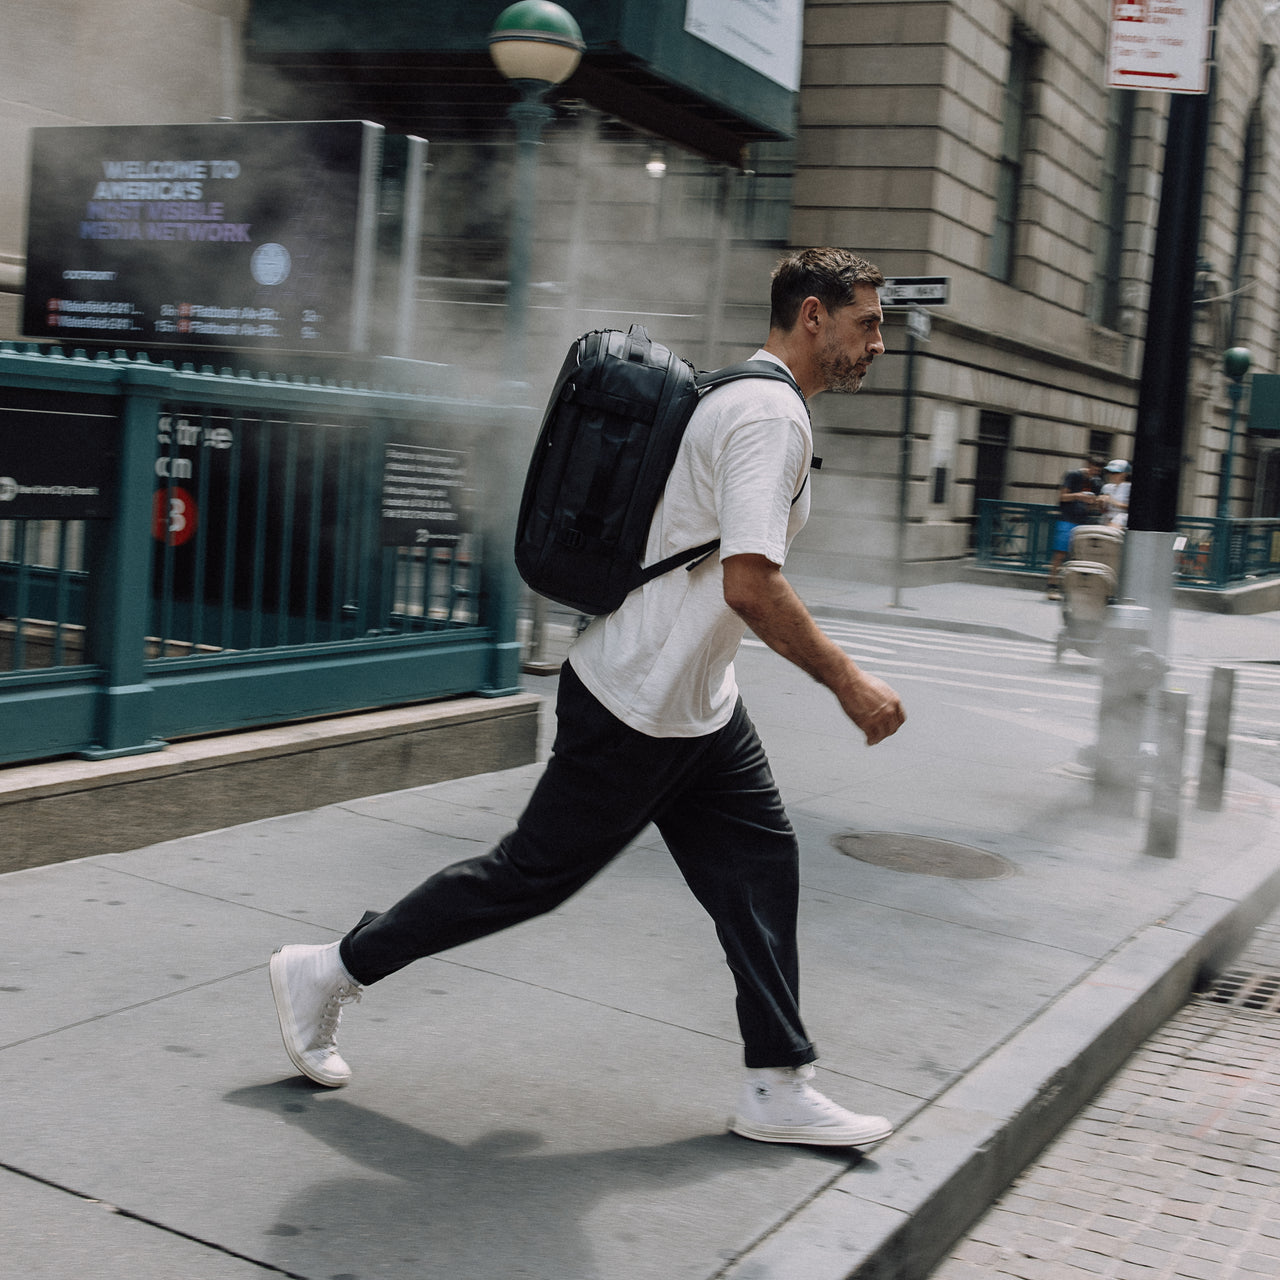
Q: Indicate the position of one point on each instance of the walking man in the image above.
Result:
(650, 728)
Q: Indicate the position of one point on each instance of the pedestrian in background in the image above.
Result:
(1115, 493)
(651, 728)
(1079, 502)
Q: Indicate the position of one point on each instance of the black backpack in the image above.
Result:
(606, 446)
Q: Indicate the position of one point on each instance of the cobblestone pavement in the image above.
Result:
(1174, 1170)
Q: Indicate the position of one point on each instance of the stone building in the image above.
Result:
(976, 141)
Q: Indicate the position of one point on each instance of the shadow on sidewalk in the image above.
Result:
(495, 1207)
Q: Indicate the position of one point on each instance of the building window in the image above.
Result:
(1112, 202)
(1013, 148)
(991, 462)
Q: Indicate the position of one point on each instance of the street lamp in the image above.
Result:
(1235, 364)
(535, 44)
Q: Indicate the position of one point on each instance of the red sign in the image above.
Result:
(173, 516)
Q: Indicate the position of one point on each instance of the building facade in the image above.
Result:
(979, 141)
(975, 141)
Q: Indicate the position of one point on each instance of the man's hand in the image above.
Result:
(872, 706)
(755, 589)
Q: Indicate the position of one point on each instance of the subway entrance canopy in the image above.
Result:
(423, 66)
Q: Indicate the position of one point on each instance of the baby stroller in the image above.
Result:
(1090, 579)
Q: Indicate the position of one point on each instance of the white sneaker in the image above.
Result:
(310, 985)
(780, 1105)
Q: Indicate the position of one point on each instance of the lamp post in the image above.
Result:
(1235, 364)
(535, 44)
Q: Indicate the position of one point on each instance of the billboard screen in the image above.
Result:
(226, 235)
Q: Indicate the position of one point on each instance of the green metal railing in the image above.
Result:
(1015, 535)
(246, 576)
(1211, 553)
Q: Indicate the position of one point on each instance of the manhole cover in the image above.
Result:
(923, 855)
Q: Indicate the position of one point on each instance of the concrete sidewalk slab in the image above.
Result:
(448, 1159)
(66, 1235)
(569, 1082)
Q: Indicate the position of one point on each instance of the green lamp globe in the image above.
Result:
(536, 40)
(1236, 362)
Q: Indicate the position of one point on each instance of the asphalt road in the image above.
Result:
(1022, 679)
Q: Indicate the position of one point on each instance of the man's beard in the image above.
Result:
(839, 373)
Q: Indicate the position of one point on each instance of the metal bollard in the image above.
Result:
(1166, 786)
(1130, 672)
(1217, 736)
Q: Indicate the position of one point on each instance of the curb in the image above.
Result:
(896, 1214)
(60, 810)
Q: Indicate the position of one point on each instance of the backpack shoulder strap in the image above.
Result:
(749, 369)
(756, 369)
(692, 557)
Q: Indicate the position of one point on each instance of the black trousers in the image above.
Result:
(717, 807)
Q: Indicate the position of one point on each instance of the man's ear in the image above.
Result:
(812, 313)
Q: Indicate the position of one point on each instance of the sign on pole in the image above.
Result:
(915, 291)
(919, 323)
(1161, 46)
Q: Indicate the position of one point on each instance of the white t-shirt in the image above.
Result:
(663, 662)
(1120, 491)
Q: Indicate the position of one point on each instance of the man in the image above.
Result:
(1078, 503)
(650, 728)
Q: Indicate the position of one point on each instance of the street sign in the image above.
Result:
(1264, 404)
(1159, 45)
(919, 323)
(915, 291)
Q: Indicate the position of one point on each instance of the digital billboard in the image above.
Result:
(227, 235)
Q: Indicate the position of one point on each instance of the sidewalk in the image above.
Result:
(549, 1103)
(1172, 1170)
